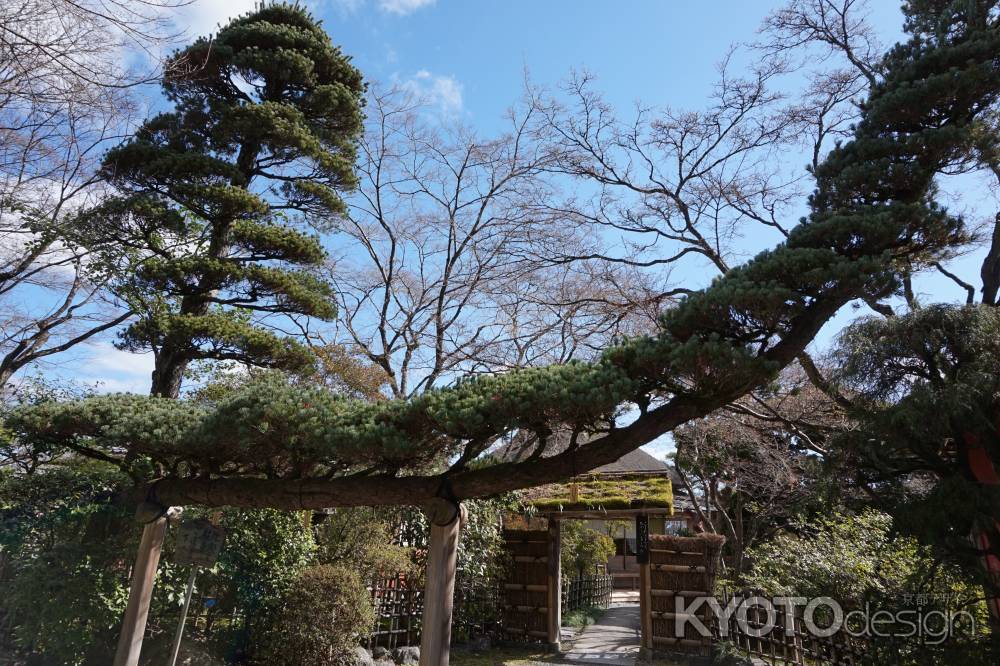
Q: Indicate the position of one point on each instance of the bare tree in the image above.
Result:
(680, 192)
(752, 465)
(64, 98)
(819, 29)
(683, 192)
(440, 269)
(672, 185)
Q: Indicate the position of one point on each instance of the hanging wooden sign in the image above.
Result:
(642, 539)
(198, 543)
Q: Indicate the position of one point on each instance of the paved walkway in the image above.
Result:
(612, 641)
(625, 598)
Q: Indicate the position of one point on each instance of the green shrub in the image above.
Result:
(863, 563)
(68, 598)
(71, 549)
(317, 621)
(582, 618)
(583, 549)
(725, 653)
(361, 538)
(65, 546)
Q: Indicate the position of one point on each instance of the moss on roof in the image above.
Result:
(603, 491)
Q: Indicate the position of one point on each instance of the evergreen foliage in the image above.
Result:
(318, 619)
(361, 539)
(216, 195)
(70, 548)
(583, 549)
(863, 563)
(57, 522)
(873, 213)
(927, 389)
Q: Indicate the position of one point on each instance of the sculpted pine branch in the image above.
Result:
(871, 216)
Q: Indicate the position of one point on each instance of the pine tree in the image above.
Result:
(926, 394)
(872, 216)
(217, 194)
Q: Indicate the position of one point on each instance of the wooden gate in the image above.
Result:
(680, 568)
(531, 605)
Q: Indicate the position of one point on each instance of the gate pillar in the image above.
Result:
(554, 583)
(445, 518)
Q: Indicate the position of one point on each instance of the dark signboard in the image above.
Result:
(642, 539)
(198, 542)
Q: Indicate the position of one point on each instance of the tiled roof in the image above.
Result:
(520, 447)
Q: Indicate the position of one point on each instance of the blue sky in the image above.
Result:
(663, 52)
(471, 57)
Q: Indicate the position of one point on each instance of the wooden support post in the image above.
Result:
(645, 584)
(645, 607)
(143, 577)
(445, 519)
(554, 584)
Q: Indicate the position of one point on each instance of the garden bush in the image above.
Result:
(317, 621)
(862, 562)
(583, 549)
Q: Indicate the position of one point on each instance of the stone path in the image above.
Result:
(612, 641)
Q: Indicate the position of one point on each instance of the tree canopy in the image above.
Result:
(926, 389)
(872, 214)
(217, 194)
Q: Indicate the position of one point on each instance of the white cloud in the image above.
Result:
(106, 356)
(111, 385)
(661, 447)
(403, 7)
(116, 370)
(202, 17)
(343, 7)
(444, 92)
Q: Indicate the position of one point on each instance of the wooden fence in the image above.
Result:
(587, 591)
(526, 592)
(787, 643)
(683, 569)
(399, 607)
(479, 609)
(679, 568)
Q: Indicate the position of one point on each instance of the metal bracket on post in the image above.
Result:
(443, 512)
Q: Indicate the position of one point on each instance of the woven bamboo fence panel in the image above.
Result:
(788, 643)
(398, 606)
(586, 592)
(525, 609)
(681, 567)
